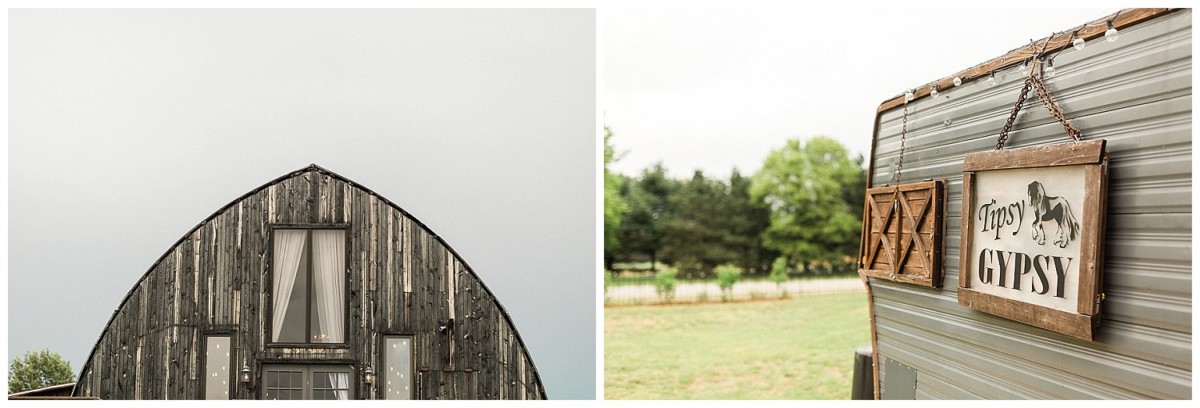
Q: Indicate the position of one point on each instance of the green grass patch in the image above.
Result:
(800, 348)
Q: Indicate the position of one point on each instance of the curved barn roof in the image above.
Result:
(325, 172)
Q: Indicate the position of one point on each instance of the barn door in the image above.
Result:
(902, 233)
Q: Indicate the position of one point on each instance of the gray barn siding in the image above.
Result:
(1136, 93)
(402, 280)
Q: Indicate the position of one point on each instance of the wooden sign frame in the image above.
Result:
(902, 233)
(1083, 318)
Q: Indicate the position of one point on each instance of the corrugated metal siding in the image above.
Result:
(1137, 94)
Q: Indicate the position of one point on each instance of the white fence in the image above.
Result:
(694, 292)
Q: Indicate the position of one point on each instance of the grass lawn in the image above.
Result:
(800, 348)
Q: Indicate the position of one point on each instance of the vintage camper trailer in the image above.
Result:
(1050, 267)
(310, 287)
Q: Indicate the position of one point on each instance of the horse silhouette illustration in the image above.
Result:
(1057, 209)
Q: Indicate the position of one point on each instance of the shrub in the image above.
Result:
(664, 283)
(727, 275)
(779, 273)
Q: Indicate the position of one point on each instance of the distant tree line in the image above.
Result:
(802, 208)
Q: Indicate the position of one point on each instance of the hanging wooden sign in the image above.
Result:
(1032, 241)
(902, 233)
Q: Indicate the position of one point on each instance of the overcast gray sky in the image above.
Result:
(714, 89)
(129, 127)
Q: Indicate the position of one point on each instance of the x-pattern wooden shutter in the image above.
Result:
(902, 233)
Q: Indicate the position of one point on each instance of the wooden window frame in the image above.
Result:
(270, 284)
(1093, 157)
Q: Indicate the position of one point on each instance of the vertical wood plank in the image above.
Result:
(137, 376)
(271, 207)
(373, 243)
(1091, 242)
(388, 322)
(968, 225)
(260, 243)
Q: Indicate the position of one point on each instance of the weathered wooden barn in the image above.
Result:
(310, 287)
(934, 336)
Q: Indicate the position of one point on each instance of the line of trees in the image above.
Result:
(804, 206)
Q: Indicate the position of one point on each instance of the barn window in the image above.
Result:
(306, 382)
(309, 282)
(217, 360)
(397, 358)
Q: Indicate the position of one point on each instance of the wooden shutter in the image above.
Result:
(902, 233)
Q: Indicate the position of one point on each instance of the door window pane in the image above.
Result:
(398, 359)
(318, 382)
(331, 385)
(216, 363)
(284, 385)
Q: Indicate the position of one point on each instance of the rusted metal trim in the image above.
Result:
(862, 251)
(874, 338)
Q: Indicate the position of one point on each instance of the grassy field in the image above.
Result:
(801, 348)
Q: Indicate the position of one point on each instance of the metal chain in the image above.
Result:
(1048, 101)
(1034, 81)
(903, 137)
(1012, 117)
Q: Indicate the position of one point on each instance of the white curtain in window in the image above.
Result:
(289, 246)
(340, 383)
(329, 252)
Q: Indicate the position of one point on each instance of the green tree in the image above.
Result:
(711, 222)
(641, 231)
(745, 218)
(38, 369)
(808, 188)
(695, 230)
(855, 194)
(614, 206)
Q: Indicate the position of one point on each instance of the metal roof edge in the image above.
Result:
(1091, 30)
